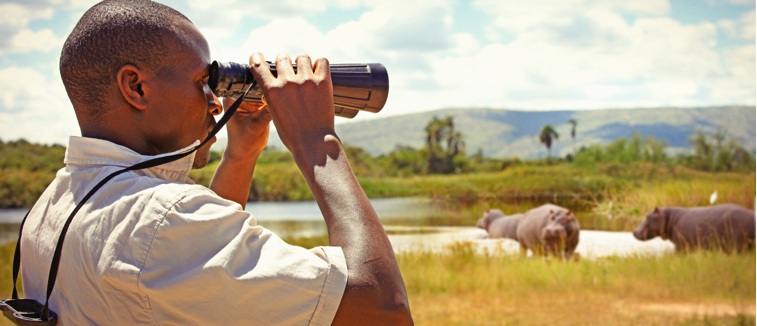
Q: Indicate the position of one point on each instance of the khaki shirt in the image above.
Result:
(151, 248)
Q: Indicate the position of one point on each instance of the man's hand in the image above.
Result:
(248, 130)
(248, 136)
(302, 103)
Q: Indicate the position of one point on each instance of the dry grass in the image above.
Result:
(592, 309)
(463, 288)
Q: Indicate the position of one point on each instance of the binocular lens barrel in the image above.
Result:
(357, 86)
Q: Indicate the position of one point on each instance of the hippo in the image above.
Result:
(726, 227)
(549, 230)
(498, 225)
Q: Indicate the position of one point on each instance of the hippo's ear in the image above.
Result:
(657, 210)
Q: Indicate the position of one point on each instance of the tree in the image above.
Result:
(404, 161)
(443, 145)
(547, 136)
(717, 153)
(636, 148)
(573, 123)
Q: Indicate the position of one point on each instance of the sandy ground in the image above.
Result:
(592, 244)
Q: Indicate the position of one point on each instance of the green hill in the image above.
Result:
(501, 133)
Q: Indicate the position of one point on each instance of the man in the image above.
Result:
(150, 247)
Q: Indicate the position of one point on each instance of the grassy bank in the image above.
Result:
(606, 197)
(467, 289)
(464, 288)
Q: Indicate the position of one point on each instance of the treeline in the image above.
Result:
(26, 168)
(277, 178)
(25, 171)
(713, 153)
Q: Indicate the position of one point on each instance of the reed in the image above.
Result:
(624, 210)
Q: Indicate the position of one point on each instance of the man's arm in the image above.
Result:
(248, 136)
(301, 105)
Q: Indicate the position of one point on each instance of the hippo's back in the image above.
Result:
(505, 227)
(725, 226)
(533, 222)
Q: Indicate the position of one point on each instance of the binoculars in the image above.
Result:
(357, 86)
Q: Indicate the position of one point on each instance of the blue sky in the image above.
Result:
(511, 54)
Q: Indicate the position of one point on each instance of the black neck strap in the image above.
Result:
(142, 165)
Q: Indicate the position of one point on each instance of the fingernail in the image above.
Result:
(256, 60)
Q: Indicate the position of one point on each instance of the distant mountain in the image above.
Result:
(500, 133)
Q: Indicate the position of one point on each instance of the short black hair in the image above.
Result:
(108, 36)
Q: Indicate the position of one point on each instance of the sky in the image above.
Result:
(508, 54)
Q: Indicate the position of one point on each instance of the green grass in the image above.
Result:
(706, 275)
(464, 288)
(6, 274)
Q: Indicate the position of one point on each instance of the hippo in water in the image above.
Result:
(726, 227)
(498, 225)
(549, 230)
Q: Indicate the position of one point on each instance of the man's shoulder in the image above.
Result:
(177, 193)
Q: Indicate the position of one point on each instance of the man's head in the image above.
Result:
(135, 72)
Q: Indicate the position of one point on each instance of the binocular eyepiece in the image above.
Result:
(357, 86)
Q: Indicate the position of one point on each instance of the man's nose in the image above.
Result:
(214, 104)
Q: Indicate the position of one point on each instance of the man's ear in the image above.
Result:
(130, 84)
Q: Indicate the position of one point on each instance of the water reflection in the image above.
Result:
(10, 222)
(303, 219)
(298, 219)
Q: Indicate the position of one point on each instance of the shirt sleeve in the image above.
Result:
(209, 263)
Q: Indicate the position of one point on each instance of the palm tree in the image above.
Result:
(547, 136)
(441, 132)
(573, 123)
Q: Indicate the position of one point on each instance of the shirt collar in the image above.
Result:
(83, 151)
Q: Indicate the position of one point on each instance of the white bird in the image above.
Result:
(713, 198)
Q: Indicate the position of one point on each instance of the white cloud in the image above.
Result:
(381, 34)
(523, 15)
(263, 9)
(285, 36)
(17, 15)
(226, 14)
(570, 55)
(737, 84)
(14, 19)
(35, 107)
(533, 54)
(742, 28)
(409, 26)
(748, 23)
(28, 40)
(607, 63)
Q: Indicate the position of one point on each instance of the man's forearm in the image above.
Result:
(233, 179)
(353, 225)
(344, 205)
